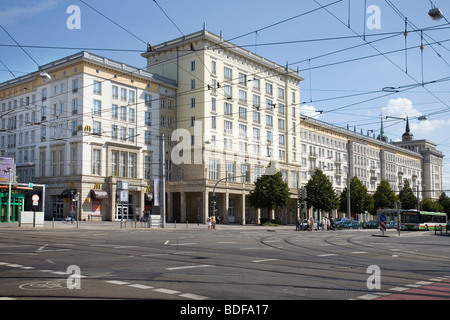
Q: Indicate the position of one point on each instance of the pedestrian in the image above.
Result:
(297, 224)
(311, 224)
(209, 223)
(213, 221)
(324, 223)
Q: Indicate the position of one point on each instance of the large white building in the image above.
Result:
(91, 123)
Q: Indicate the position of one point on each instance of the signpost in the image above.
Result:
(35, 199)
(382, 218)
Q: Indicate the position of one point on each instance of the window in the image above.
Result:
(131, 114)
(122, 164)
(75, 85)
(131, 96)
(228, 126)
(97, 107)
(242, 79)
(97, 87)
(147, 167)
(123, 94)
(115, 92)
(229, 170)
(114, 111)
(227, 73)
(42, 163)
(114, 163)
(114, 130)
(131, 134)
(75, 106)
(148, 118)
(269, 89)
(96, 162)
(97, 128)
(213, 169)
(243, 96)
(193, 65)
(131, 165)
(123, 113)
(256, 84)
(213, 67)
(148, 138)
(148, 100)
(228, 108)
(242, 113)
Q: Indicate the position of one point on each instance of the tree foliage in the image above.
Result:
(384, 197)
(320, 192)
(270, 192)
(360, 199)
(427, 204)
(407, 197)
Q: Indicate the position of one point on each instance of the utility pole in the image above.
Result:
(163, 179)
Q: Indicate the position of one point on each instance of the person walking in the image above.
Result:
(213, 221)
(209, 223)
(297, 224)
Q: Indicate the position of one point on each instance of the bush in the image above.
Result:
(270, 222)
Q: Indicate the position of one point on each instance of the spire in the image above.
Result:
(407, 136)
(382, 136)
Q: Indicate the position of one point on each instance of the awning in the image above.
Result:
(68, 193)
(149, 196)
(99, 194)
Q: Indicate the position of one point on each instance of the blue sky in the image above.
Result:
(345, 62)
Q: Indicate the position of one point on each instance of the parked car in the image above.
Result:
(372, 224)
(341, 223)
(354, 224)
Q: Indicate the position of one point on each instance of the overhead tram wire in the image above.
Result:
(390, 60)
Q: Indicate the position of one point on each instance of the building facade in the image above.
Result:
(87, 125)
(239, 112)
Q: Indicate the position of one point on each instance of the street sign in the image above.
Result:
(35, 203)
(382, 218)
(382, 225)
(35, 198)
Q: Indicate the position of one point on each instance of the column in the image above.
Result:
(204, 216)
(242, 217)
(183, 206)
(169, 208)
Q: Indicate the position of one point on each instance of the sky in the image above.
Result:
(358, 66)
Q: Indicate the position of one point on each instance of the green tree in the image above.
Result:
(270, 192)
(384, 197)
(360, 199)
(427, 204)
(407, 197)
(320, 192)
(444, 201)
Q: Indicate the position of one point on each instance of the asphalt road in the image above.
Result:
(232, 263)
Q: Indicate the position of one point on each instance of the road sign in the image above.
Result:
(35, 198)
(35, 203)
(383, 218)
(382, 225)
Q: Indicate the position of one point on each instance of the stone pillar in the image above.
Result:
(183, 206)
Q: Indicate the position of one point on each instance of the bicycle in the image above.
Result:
(69, 219)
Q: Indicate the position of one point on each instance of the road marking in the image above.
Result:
(140, 286)
(120, 283)
(168, 291)
(189, 267)
(327, 255)
(166, 242)
(357, 252)
(399, 289)
(227, 242)
(264, 260)
(183, 244)
(193, 296)
(368, 297)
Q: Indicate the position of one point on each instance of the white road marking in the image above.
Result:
(189, 267)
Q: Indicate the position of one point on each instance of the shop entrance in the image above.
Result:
(17, 203)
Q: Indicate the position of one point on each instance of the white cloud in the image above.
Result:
(309, 111)
(400, 107)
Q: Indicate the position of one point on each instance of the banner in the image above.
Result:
(156, 193)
